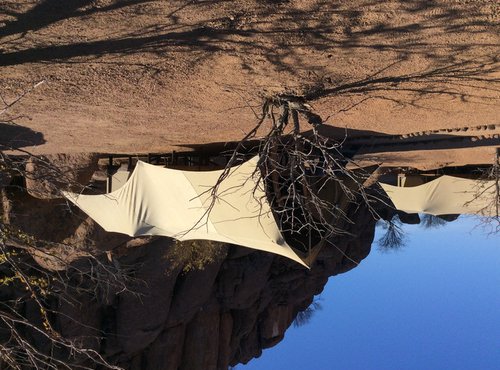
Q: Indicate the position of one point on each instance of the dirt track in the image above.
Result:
(138, 76)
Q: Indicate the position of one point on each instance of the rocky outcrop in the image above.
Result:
(167, 316)
(71, 234)
(47, 175)
(223, 314)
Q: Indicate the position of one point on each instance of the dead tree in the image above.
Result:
(309, 181)
(393, 237)
(489, 187)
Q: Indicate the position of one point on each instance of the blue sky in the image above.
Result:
(433, 305)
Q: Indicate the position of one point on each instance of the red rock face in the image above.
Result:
(47, 175)
(226, 313)
(218, 335)
(231, 310)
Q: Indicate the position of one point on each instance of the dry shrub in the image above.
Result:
(196, 254)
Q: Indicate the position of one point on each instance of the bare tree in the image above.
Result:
(394, 236)
(489, 187)
(310, 179)
(431, 221)
(304, 317)
(310, 183)
(22, 331)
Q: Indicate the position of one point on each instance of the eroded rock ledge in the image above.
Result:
(238, 304)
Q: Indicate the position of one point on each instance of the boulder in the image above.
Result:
(47, 175)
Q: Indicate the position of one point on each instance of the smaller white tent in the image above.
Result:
(446, 195)
(173, 203)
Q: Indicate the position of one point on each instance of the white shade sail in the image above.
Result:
(446, 195)
(173, 203)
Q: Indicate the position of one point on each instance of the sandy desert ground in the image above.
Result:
(136, 76)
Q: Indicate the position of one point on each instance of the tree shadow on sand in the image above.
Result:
(323, 27)
(306, 43)
(15, 137)
(48, 12)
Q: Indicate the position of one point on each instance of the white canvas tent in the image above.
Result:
(445, 195)
(173, 203)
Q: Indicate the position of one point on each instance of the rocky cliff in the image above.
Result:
(175, 312)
